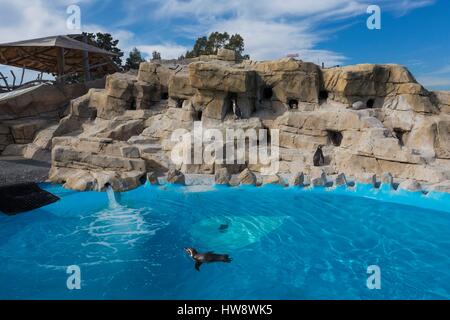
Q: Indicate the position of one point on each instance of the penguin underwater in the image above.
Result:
(208, 257)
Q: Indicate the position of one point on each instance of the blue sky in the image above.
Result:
(413, 33)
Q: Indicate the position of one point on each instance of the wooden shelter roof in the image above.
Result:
(42, 54)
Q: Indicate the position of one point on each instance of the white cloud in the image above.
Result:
(273, 40)
(436, 79)
(271, 29)
(30, 19)
(168, 51)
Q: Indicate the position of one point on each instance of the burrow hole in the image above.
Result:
(293, 104)
(400, 135)
(323, 95)
(370, 103)
(335, 137)
(267, 93)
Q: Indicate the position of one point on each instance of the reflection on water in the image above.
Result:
(120, 225)
(232, 233)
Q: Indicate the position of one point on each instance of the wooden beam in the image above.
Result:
(28, 54)
(2, 56)
(60, 61)
(86, 67)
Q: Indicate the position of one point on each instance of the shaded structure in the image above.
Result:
(61, 56)
(24, 197)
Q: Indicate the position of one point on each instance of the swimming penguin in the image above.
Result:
(223, 228)
(236, 110)
(319, 159)
(208, 257)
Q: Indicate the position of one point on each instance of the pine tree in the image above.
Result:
(134, 60)
(216, 40)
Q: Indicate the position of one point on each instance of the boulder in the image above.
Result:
(442, 142)
(80, 181)
(145, 95)
(180, 86)
(297, 179)
(351, 83)
(442, 100)
(247, 177)
(215, 77)
(107, 106)
(319, 179)
(148, 73)
(41, 100)
(125, 131)
(226, 55)
(152, 178)
(25, 131)
(14, 150)
(358, 105)
(441, 187)
(129, 152)
(176, 177)
(341, 180)
(289, 79)
(410, 185)
(271, 179)
(222, 176)
(120, 86)
(367, 178)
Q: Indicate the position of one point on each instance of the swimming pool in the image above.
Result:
(286, 243)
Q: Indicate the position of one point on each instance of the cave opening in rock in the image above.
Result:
(370, 103)
(267, 93)
(132, 104)
(400, 135)
(199, 116)
(293, 104)
(335, 137)
(164, 95)
(323, 95)
(179, 103)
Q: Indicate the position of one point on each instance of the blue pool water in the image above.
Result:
(286, 243)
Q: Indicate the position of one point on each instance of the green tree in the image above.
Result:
(215, 41)
(156, 55)
(236, 43)
(134, 60)
(200, 48)
(106, 42)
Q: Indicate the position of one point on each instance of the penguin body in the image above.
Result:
(319, 159)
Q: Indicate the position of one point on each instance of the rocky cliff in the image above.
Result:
(29, 118)
(371, 120)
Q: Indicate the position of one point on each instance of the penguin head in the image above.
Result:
(190, 251)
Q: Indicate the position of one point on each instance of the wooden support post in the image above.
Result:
(86, 66)
(21, 78)
(61, 63)
(5, 81)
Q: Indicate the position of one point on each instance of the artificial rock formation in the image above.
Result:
(370, 119)
(29, 118)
